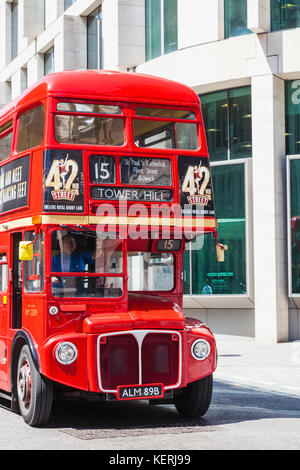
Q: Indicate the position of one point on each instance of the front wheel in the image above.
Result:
(35, 392)
(193, 401)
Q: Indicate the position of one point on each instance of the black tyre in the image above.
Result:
(35, 392)
(193, 401)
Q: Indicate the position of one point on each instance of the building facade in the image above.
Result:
(241, 57)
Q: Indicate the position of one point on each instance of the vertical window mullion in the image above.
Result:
(228, 125)
(162, 26)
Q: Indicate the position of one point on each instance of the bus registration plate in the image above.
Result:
(135, 392)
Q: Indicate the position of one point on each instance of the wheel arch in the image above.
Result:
(21, 338)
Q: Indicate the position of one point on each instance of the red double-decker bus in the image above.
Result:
(104, 179)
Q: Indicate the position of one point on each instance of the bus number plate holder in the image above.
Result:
(140, 392)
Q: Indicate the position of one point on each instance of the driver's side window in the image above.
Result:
(34, 269)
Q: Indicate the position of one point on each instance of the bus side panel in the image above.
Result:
(4, 314)
(33, 317)
(36, 182)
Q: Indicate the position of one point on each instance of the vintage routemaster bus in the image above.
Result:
(104, 179)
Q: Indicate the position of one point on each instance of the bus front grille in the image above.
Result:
(138, 357)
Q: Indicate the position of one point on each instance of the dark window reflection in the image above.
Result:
(203, 274)
(227, 120)
(285, 14)
(235, 16)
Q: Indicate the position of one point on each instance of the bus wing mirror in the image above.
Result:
(220, 249)
(25, 251)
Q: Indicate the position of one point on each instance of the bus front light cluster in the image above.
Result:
(200, 349)
(66, 353)
(53, 310)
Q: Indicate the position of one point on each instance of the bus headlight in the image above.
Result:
(200, 349)
(66, 353)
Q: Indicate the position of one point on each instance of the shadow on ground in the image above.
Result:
(230, 404)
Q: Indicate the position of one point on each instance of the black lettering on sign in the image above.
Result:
(114, 193)
(145, 171)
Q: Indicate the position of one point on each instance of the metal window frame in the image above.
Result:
(232, 300)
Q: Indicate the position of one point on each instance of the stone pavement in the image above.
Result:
(272, 367)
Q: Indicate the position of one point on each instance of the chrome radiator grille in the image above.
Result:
(139, 357)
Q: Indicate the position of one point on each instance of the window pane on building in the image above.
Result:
(240, 122)
(14, 29)
(292, 116)
(207, 274)
(49, 61)
(285, 14)
(295, 224)
(215, 116)
(227, 120)
(68, 3)
(170, 26)
(94, 34)
(235, 17)
(153, 29)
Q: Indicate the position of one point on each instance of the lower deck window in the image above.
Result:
(34, 269)
(86, 255)
(150, 271)
(3, 272)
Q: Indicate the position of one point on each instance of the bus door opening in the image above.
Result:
(16, 274)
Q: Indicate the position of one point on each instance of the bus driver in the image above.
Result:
(70, 259)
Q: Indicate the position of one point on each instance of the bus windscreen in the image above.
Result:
(165, 135)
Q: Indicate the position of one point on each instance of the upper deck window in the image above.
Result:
(5, 139)
(164, 133)
(31, 128)
(84, 128)
(165, 113)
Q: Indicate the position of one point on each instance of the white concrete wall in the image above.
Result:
(230, 321)
(269, 208)
(258, 15)
(199, 22)
(5, 34)
(123, 27)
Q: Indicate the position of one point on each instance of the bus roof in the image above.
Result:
(106, 85)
